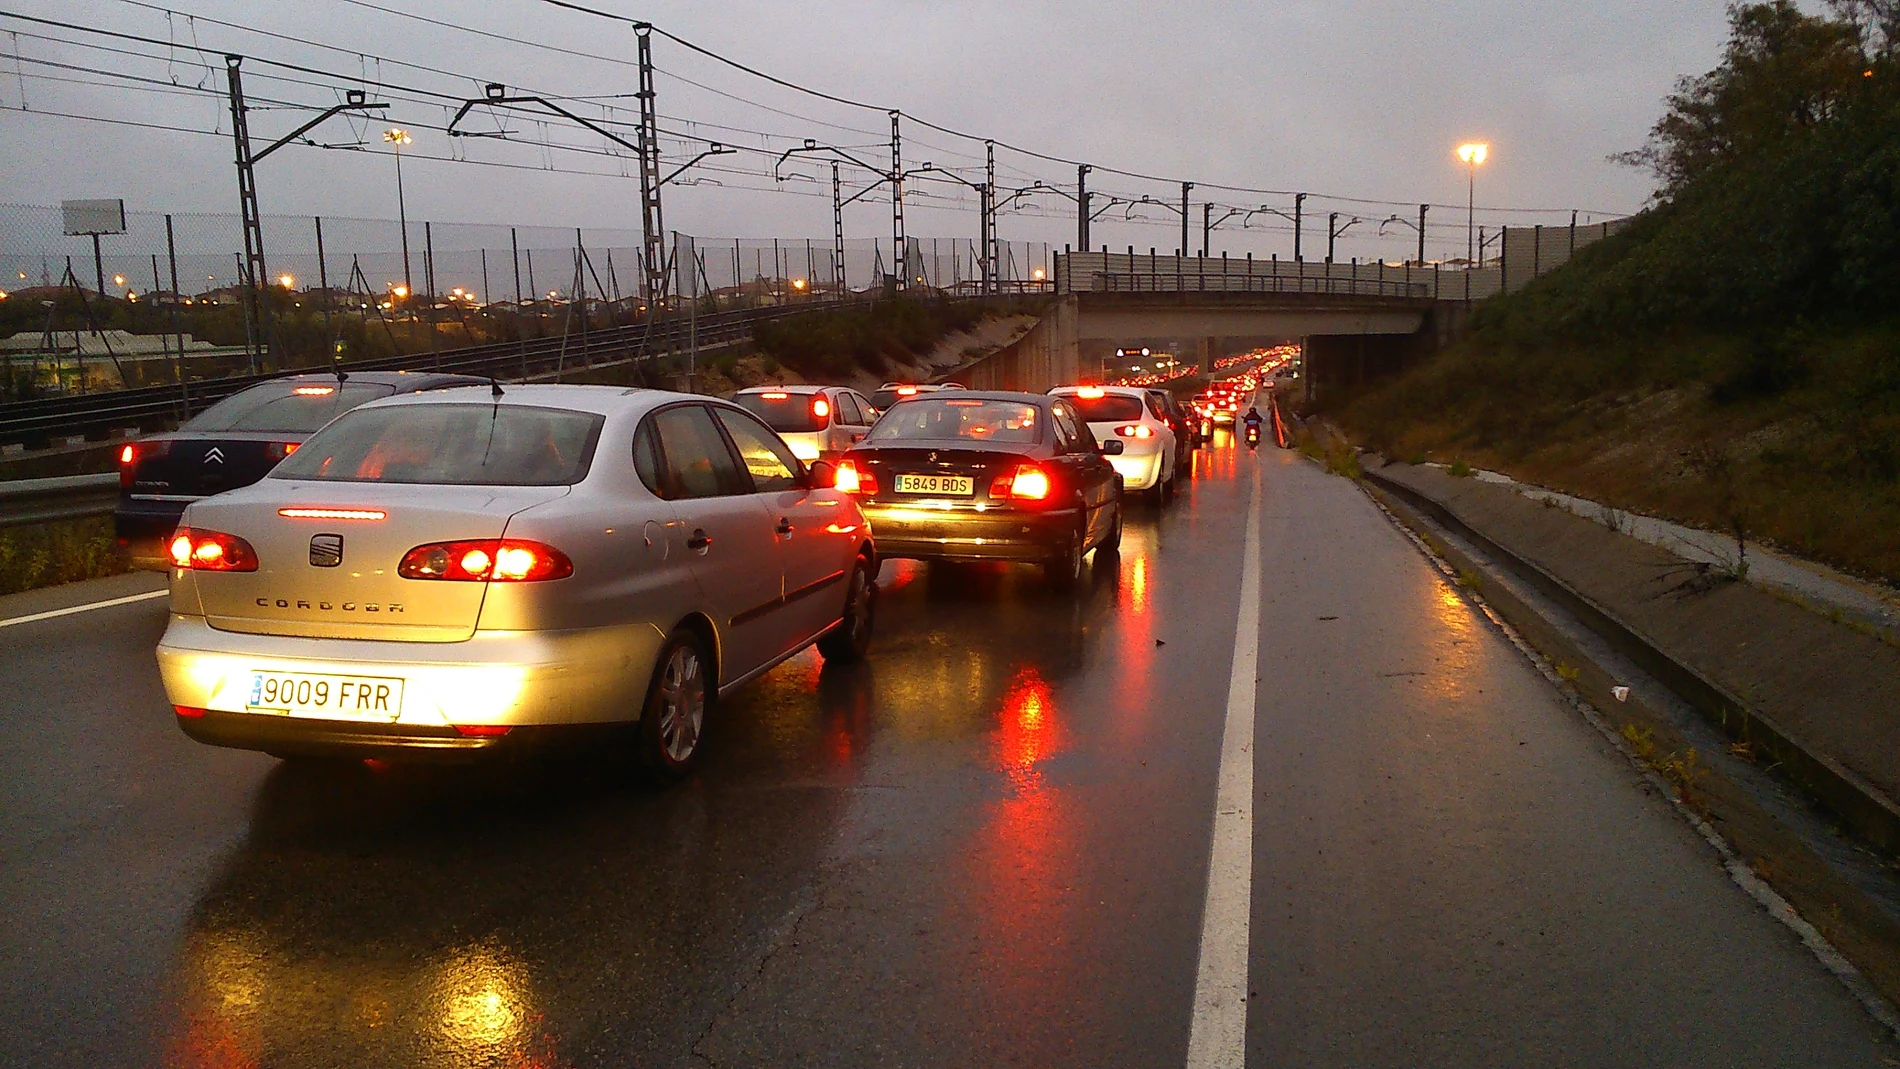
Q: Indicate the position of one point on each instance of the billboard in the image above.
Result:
(92, 216)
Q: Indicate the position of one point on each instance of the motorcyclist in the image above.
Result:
(1253, 419)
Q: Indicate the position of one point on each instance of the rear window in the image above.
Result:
(951, 419)
(450, 444)
(286, 407)
(1108, 408)
(784, 411)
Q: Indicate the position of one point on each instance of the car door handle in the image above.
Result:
(700, 540)
(784, 526)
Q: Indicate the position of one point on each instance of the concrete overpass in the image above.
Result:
(1356, 321)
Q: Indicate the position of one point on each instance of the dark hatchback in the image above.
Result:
(969, 475)
(235, 443)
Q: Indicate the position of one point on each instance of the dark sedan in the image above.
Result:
(235, 443)
(979, 475)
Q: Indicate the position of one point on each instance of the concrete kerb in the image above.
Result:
(1863, 807)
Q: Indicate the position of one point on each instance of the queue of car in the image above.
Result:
(431, 565)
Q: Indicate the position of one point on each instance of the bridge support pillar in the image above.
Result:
(1204, 350)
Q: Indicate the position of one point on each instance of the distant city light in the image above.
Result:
(1473, 153)
(286, 281)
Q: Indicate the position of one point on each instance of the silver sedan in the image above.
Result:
(469, 568)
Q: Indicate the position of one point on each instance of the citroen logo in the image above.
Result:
(214, 455)
(326, 550)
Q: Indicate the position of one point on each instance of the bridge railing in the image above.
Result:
(1132, 272)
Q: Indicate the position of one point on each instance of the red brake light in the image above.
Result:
(775, 395)
(853, 481)
(1091, 392)
(191, 712)
(1026, 483)
(211, 551)
(332, 514)
(820, 408)
(497, 560)
(280, 450)
(907, 391)
(1135, 430)
(132, 453)
(482, 731)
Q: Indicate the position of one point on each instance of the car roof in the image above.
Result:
(403, 381)
(790, 387)
(601, 400)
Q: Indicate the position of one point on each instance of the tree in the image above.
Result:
(1783, 71)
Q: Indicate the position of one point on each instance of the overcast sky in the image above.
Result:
(1341, 98)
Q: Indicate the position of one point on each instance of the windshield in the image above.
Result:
(785, 411)
(450, 444)
(951, 419)
(287, 407)
(1108, 408)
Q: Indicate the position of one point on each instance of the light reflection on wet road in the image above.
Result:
(986, 846)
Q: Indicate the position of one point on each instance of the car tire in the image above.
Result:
(851, 640)
(1164, 493)
(1113, 543)
(673, 718)
(1065, 572)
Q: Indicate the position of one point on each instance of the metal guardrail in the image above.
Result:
(27, 421)
(67, 497)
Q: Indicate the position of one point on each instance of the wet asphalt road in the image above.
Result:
(988, 846)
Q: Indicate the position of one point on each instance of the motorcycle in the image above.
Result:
(1253, 435)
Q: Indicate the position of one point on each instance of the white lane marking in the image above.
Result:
(38, 616)
(1218, 1039)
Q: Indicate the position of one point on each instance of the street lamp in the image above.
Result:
(1473, 154)
(396, 137)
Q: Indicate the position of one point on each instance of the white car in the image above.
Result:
(1127, 414)
(456, 570)
(818, 422)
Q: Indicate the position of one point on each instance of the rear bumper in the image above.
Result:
(1138, 472)
(515, 679)
(141, 529)
(967, 535)
(288, 737)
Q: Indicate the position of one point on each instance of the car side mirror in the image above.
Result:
(1112, 448)
(822, 475)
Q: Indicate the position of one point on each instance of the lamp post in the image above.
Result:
(397, 137)
(1473, 154)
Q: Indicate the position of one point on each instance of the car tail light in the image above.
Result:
(190, 712)
(211, 551)
(498, 560)
(820, 407)
(332, 514)
(775, 395)
(1135, 430)
(853, 481)
(482, 731)
(132, 453)
(280, 450)
(1026, 483)
(1090, 392)
(907, 391)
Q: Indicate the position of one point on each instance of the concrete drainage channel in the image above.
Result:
(1772, 805)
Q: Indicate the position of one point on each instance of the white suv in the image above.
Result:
(818, 422)
(1125, 414)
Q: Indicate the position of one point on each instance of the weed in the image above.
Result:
(50, 553)
(1615, 519)
(1567, 673)
(1744, 750)
(1341, 460)
(1460, 469)
(1415, 458)
(1642, 740)
(1470, 580)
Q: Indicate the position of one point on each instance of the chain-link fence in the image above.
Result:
(342, 287)
(200, 254)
